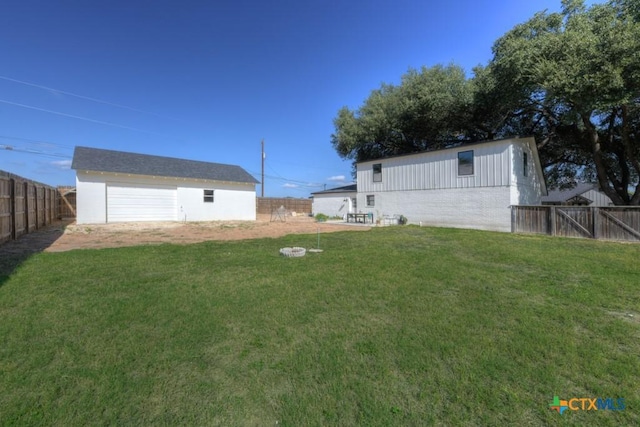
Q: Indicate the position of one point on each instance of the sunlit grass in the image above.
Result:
(396, 326)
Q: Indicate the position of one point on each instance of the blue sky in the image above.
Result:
(208, 80)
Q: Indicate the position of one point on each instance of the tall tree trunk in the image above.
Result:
(631, 154)
(601, 169)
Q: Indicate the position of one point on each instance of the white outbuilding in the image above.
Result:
(468, 186)
(116, 186)
(335, 202)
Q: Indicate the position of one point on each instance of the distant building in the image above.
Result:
(115, 186)
(336, 201)
(583, 194)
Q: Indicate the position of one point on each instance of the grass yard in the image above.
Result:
(396, 326)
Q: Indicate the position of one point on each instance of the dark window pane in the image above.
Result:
(377, 172)
(465, 163)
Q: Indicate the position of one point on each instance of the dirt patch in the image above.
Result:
(141, 233)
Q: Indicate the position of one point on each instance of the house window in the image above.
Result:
(465, 162)
(524, 163)
(354, 203)
(371, 200)
(377, 172)
(208, 196)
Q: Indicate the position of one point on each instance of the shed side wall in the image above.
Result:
(333, 204)
(230, 202)
(598, 198)
(91, 199)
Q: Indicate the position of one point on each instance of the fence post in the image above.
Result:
(35, 198)
(26, 207)
(595, 211)
(552, 220)
(45, 195)
(12, 207)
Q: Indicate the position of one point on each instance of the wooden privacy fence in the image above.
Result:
(25, 206)
(606, 223)
(266, 205)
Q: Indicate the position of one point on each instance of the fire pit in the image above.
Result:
(293, 252)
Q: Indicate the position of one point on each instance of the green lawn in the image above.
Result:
(396, 326)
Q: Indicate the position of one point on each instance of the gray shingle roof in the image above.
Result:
(566, 194)
(99, 160)
(346, 189)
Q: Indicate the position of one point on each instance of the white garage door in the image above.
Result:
(128, 202)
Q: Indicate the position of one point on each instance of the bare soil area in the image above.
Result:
(73, 236)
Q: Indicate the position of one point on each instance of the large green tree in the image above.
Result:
(428, 109)
(571, 79)
(578, 75)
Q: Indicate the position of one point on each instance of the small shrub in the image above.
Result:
(321, 217)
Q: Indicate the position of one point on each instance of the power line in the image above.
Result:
(78, 117)
(26, 150)
(305, 183)
(308, 166)
(281, 178)
(35, 141)
(87, 98)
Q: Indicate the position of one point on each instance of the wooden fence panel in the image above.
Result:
(25, 206)
(530, 219)
(6, 225)
(52, 205)
(619, 223)
(606, 223)
(48, 201)
(20, 209)
(572, 221)
(267, 205)
(40, 207)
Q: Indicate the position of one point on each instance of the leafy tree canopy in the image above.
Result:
(427, 109)
(571, 79)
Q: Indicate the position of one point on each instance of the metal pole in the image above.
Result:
(262, 142)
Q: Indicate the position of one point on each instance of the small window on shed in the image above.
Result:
(377, 172)
(465, 162)
(208, 196)
(371, 200)
(524, 163)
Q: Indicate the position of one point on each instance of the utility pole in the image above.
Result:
(262, 142)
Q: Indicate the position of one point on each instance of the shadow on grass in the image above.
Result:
(14, 253)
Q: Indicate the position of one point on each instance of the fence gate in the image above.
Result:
(570, 221)
(607, 223)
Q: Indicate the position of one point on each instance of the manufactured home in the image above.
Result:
(115, 186)
(469, 186)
